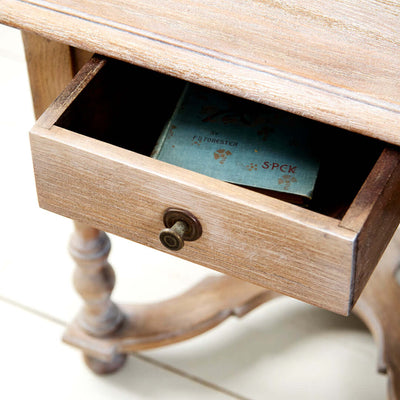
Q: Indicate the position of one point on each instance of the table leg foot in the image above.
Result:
(101, 367)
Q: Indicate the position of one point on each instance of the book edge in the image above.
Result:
(163, 136)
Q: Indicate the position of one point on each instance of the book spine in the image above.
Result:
(164, 134)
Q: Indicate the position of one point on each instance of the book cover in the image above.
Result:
(240, 142)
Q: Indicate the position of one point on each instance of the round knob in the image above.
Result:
(172, 238)
(181, 225)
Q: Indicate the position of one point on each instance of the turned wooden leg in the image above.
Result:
(379, 308)
(94, 280)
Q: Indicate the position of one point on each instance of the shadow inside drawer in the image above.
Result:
(128, 106)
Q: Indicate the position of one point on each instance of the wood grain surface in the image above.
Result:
(292, 250)
(245, 234)
(374, 214)
(50, 69)
(202, 307)
(51, 66)
(337, 63)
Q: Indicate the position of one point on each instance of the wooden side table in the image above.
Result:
(334, 65)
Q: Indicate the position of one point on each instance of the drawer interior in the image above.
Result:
(128, 106)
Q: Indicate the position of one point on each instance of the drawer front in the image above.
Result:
(292, 250)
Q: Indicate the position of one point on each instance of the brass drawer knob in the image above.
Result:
(181, 225)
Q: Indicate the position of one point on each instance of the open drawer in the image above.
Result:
(91, 160)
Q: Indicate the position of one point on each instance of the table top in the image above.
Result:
(338, 63)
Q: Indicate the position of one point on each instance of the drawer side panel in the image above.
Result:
(375, 214)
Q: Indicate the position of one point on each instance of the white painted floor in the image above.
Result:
(283, 350)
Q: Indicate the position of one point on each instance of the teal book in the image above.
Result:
(241, 142)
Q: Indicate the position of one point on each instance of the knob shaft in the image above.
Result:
(172, 238)
(181, 225)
